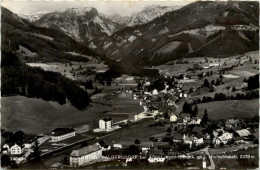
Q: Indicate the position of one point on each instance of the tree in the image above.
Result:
(212, 82)
(132, 150)
(195, 111)
(169, 130)
(217, 82)
(187, 108)
(137, 142)
(37, 152)
(206, 83)
(204, 119)
(139, 85)
(204, 99)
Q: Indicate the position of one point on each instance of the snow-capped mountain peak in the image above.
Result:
(149, 13)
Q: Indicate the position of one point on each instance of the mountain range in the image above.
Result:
(198, 29)
(157, 35)
(89, 26)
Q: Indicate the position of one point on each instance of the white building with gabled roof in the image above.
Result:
(85, 155)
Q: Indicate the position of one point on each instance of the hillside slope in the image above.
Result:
(36, 43)
(198, 29)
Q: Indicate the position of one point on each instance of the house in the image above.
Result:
(146, 146)
(6, 148)
(224, 138)
(16, 149)
(193, 121)
(117, 146)
(85, 155)
(173, 118)
(185, 117)
(243, 133)
(193, 139)
(177, 137)
(62, 133)
(197, 129)
(105, 123)
(155, 92)
(155, 156)
(57, 165)
(232, 123)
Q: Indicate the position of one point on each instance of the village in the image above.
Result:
(183, 134)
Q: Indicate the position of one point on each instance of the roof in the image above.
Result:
(197, 129)
(56, 165)
(155, 152)
(13, 144)
(243, 132)
(177, 136)
(62, 131)
(173, 115)
(86, 150)
(184, 115)
(147, 144)
(107, 119)
(117, 146)
(233, 121)
(199, 135)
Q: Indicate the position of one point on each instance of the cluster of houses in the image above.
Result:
(19, 151)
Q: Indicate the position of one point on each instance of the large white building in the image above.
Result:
(85, 155)
(105, 123)
(62, 133)
(16, 149)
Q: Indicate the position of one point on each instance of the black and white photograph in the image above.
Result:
(129, 84)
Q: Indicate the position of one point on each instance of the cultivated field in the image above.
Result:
(38, 116)
(230, 109)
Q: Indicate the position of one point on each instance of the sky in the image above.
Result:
(123, 8)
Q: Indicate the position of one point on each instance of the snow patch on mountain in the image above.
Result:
(242, 35)
(165, 30)
(131, 38)
(225, 14)
(26, 52)
(78, 11)
(190, 48)
(149, 13)
(169, 47)
(210, 29)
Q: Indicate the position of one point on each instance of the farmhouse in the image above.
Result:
(173, 118)
(224, 138)
(85, 155)
(117, 146)
(231, 123)
(155, 92)
(243, 133)
(193, 121)
(16, 149)
(177, 137)
(62, 133)
(105, 123)
(193, 139)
